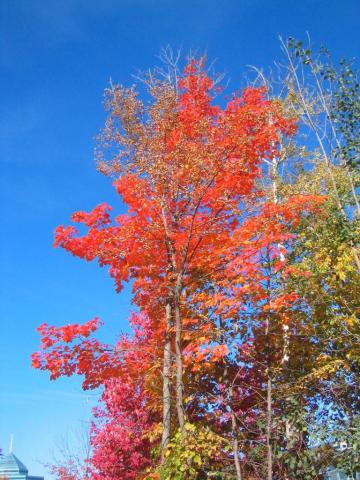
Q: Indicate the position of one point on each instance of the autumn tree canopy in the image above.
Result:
(223, 361)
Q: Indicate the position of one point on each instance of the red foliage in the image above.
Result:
(121, 447)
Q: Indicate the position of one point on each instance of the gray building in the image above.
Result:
(333, 474)
(12, 469)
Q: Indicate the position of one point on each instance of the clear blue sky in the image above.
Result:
(56, 58)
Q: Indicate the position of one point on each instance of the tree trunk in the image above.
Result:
(285, 328)
(172, 269)
(269, 453)
(234, 426)
(166, 383)
(235, 443)
(178, 356)
(268, 426)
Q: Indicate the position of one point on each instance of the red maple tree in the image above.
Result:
(196, 241)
